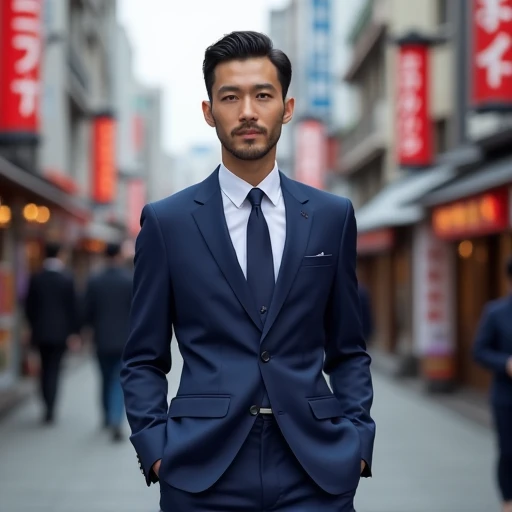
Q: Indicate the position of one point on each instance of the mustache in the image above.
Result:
(247, 127)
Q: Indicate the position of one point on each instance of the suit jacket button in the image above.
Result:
(265, 357)
(254, 410)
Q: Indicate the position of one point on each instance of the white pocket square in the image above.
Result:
(318, 255)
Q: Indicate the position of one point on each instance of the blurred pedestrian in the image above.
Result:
(256, 273)
(107, 312)
(52, 312)
(493, 350)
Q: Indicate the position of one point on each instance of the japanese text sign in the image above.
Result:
(413, 109)
(491, 54)
(20, 58)
(104, 171)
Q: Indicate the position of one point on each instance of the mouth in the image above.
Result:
(249, 134)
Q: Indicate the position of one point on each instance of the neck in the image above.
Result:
(251, 171)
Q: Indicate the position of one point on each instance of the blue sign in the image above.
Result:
(319, 68)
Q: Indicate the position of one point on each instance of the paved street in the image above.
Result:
(427, 459)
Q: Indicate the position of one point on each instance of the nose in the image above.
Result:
(247, 112)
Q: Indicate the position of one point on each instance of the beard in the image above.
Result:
(249, 150)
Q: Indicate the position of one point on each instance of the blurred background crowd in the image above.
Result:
(404, 106)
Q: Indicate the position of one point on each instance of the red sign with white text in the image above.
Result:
(413, 116)
(20, 58)
(136, 199)
(491, 22)
(104, 172)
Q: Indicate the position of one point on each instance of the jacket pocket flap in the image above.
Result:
(317, 261)
(325, 407)
(199, 407)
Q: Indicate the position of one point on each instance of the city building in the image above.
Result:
(80, 148)
(308, 31)
(429, 169)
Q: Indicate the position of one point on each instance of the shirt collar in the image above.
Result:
(237, 189)
(53, 264)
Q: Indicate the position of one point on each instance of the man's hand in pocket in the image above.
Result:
(156, 467)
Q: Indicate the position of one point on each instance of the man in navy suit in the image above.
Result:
(493, 350)
(256, 275)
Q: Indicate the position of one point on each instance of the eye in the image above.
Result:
(231, 97)
(264, 95)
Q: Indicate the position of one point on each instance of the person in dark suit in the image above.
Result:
(256, 274)
(107, 312)
(366, 312)
(52, 312)
(493, 350)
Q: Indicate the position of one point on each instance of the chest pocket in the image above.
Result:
(325, 260)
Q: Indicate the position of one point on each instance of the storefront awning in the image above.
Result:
(394, 205)
(37, 186)
(487, 177)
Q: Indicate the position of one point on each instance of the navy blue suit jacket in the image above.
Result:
(187, 277)
(493, 347)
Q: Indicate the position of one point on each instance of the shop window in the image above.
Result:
(478, 283)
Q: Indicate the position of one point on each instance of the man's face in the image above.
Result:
(247, 108)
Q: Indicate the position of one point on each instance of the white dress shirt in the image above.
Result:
(237, 209)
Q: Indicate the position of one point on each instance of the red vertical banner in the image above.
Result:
(20, 59)
(414, 127)
(136, 199)
(104, 172)
(311, 153)
(491, 54)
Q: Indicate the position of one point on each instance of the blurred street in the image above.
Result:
(427, 458)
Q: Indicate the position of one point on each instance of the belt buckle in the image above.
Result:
(266, 410)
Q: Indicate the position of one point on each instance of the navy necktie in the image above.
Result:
(260, 262)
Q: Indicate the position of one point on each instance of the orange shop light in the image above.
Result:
(470, 217)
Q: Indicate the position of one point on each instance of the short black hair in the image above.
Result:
(112, 250)
(244, 45)
(508, 268)
(52, 249)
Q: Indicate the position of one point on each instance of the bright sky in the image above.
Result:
(169, 38)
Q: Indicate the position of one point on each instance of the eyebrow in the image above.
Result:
(233, 88)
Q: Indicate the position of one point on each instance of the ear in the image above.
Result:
(207, 112)
(289, 107)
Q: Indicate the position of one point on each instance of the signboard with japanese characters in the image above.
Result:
(433, 302)
(491, 55)
(20, 57)
(104, 172)
(319, 79)
(414, 126)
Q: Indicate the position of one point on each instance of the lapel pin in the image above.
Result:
(304, 214)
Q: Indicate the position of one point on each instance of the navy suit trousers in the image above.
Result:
(265, 476)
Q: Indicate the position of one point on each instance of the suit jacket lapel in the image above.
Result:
(211, 221)
(299, 217)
